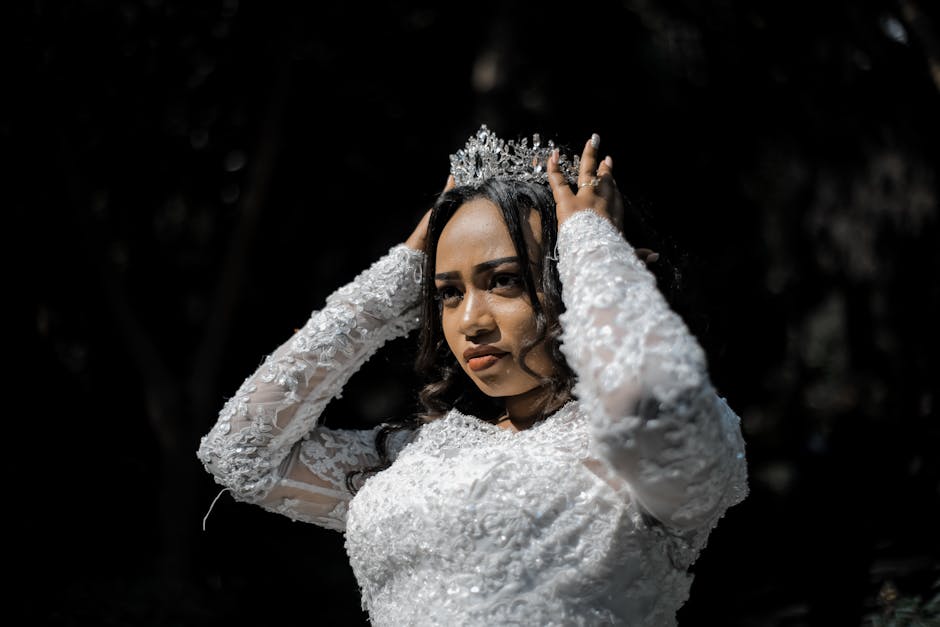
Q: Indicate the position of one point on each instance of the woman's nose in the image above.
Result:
(476, 317)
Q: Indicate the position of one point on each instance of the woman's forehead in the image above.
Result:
(476, 232)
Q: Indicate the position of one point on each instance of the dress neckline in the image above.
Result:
(564, 414)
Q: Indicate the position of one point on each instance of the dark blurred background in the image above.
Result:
(190, 179)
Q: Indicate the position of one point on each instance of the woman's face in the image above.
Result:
(486, 314)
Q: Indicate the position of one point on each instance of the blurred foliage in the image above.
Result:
(902, 611)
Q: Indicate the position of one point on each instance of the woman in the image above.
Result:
(573, 457)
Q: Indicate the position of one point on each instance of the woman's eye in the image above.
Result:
(448, 295)
(506, 281)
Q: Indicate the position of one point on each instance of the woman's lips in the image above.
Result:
(484, 361)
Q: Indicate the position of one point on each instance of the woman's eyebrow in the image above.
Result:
(480, 267)
(492, 263)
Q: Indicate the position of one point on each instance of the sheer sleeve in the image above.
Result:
(266, 446)
(656, 420)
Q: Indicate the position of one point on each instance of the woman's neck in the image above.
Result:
(524, 410)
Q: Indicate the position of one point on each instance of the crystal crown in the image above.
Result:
(485, 156)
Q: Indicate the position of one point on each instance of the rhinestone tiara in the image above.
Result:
(485, 156)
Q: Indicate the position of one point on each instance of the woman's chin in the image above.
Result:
(496, 389)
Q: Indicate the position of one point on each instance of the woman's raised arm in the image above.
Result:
(265, 446)
(642, 376)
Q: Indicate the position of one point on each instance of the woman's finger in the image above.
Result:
(586, 172)
(647, 255)
(556, 180)
(451, 183)
(418, 238)
(606, 168)
(607, 188)
(606, 185)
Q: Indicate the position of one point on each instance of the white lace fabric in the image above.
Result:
(266, 446)
(591, 517)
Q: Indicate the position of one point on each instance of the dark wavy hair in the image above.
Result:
(448, 387)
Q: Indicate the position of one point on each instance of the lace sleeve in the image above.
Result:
(642, 377)
(266, 446)
(313, 483)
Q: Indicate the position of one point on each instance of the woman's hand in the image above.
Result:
(596, 191)
(418, 239)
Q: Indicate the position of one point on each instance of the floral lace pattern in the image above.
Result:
(655, 418)
(266, 446)
(591, 517)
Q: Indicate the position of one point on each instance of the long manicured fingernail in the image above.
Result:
(595, 140)
(555, 154)
(609, 161)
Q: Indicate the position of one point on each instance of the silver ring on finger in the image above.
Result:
(594, 182)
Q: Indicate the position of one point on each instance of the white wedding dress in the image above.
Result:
(591, 517)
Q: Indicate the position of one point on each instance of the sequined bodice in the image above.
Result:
(476, 525)
(591, 517)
